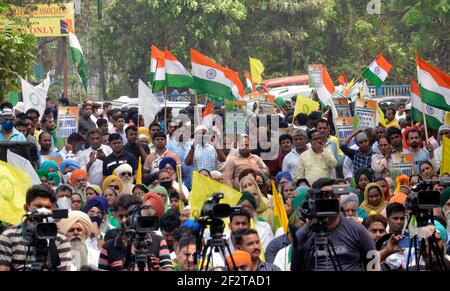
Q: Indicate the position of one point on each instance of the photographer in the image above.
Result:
(349, 242)
(113, 255)
(16, 250)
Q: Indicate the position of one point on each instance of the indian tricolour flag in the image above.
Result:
(378, 71)
(435, 117)
(326, 90)
(434, 85)
(250, 87)
(78, 58)
(207, 116)
(158, 69)
(211, 78)
(176, 74)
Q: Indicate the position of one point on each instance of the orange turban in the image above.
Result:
(400, 197)
(76, 174)
(155, 201)
(240, 258)
(108, 180)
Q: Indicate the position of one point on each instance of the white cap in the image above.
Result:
(20, 106)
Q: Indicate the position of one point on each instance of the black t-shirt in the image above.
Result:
(112, 161)
(352, 243)
(133, 149)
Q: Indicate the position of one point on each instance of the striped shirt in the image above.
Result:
(16, 253)
(113, 253)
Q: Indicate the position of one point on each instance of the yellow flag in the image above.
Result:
(380, 117)
(305, 105)
(280, 218)
(14, 184)
(447, 118)
(203, 188)
(445, 163)
(139, 172)
(256, 68)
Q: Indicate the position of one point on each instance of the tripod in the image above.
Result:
(420, 249)
(216, 243)
(140, 258)
(322, 245)
(43, 249)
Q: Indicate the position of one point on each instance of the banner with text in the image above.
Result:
(344, 128)
(404, 162)
(342, 107)
(44, 20)
(67, 121)
(365, 113)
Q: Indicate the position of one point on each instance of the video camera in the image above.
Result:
(136, 222)
(320, 204)
(40, 227)
(422, 199)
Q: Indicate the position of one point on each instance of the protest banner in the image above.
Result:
(344, 128)
(404, 162)
(305, 105)
(235, 117)
(365, 114)
(67, 121)
(44, 20)
(265, 104)
(315, 75)
(342, 107)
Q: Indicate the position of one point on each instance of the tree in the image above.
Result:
(16, 55)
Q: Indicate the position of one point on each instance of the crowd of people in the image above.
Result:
(94, 175)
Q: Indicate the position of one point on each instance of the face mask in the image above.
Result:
(99, 111)
(64, 202)
(97, 220)
(7, 124)
(166, 185)
(67, 176)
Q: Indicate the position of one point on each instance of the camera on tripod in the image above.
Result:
(138, 223)
(422, 199)
(40, 227)
(321, 204)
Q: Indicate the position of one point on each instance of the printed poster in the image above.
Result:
(67, 121)
(404, 162)
(365, 113)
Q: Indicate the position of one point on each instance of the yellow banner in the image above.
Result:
(45, 20)
(305, 105)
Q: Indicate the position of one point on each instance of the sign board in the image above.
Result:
(45, 20)
(67, 120)
(365, 113)
(342, 107)
(315, 75)
(344, 128)
(404, 162)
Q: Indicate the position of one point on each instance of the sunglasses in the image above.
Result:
(116, 187)
(126, 174)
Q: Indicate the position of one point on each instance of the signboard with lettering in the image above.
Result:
(342, 107)
(45, 20)
(315, 75)
(344, 128)
(404, 162)
(67, 121)
(365, 113)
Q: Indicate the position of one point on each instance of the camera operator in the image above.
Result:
(113, 255)
(16, 252)
(352, 244)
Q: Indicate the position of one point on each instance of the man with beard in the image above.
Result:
(47, 125)
(125, 174)
(248, 240)
(85, 122)
(362, 157)
(318, 161)
(46, 152)
(420, 155)
(77, 228)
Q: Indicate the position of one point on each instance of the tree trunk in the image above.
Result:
(289, 60)
(59, 58)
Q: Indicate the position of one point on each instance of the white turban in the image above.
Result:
(351, 197)
(77, 217)
(124, 168)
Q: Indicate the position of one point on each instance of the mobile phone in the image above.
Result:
(404, 242)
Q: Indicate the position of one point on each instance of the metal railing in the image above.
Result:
(391, 90)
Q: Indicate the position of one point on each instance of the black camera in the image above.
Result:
(422, 199)
(320, 204)
(40, 228)
(139, 223)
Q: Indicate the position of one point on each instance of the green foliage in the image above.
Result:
(16, 55)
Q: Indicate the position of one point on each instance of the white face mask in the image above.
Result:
(99, 111)
(64, 202)
(67, 176)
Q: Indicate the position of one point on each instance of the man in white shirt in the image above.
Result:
(290, 162)
(91, 159)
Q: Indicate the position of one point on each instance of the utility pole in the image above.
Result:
(102, 60)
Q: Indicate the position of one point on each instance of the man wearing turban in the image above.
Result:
(78, 179)
(78, 228)
(125, 174)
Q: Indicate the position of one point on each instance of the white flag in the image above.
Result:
(32, 98)
(23, 164)
(148, 104)
(42, 88)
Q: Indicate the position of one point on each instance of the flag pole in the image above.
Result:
(424, 120)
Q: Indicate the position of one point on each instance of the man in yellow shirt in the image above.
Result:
(390, 118)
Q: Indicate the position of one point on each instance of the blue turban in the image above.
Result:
(442, 231)
(190, 223)
(49, 164)
(98, 201)
(168, 161)
(280, 175)
(74, 165)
